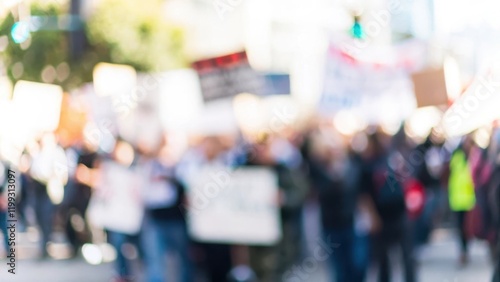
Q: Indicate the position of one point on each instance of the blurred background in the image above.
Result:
(263, 140)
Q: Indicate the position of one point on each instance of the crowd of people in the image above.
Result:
(375, 192)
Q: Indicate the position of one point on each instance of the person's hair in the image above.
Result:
(375, 143)
(399, 139)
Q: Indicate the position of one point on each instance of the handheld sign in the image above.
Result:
(234, 206)
(226, 76)
(38, 106)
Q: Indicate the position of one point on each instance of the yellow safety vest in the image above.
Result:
(461, 193)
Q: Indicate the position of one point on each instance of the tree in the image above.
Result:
(137, 34)
(118, 31)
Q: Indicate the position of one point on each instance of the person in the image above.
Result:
(428, 171)
(210, 153)
(77, 196)
(335, 173)
(164, 227)
(24, 191)
(494, 200)
(496, 210)
(49, 177)
(116, 206)
(461, 193)
(382, 180)
(270, 262)
(480, 218)
(4, 204)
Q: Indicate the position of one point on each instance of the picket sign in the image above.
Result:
(370, 89)
(116, 204)
(234, 206)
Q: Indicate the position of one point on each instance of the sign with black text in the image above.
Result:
(227, 76)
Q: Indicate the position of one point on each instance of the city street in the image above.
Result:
(249, 141)
(439, 264)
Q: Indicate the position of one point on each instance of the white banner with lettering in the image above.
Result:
(372, 90)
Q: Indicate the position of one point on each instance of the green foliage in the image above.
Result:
(119, 31)
(136, 34)
(44, 48)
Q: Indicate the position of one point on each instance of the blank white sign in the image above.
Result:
(237, 207)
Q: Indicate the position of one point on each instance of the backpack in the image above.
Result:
(389, 194)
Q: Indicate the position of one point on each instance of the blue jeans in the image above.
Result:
(423, 224)
(349, 261)
(117, 239)
(44, 212)
(160, 236)
(394, 234)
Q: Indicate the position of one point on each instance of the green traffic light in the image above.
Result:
(357, 29)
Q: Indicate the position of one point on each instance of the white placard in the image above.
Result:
(235, 206)
(180, 99)
(113, 79)
(376, 92)
(37, 105)
(116, 205)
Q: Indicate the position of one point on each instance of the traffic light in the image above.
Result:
(356, 29)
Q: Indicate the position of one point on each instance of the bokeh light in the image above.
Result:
(20, 32)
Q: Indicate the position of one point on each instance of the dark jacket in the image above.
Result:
(337, 194)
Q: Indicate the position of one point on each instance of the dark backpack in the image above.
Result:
(389, 193)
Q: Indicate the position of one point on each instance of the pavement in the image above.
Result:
(438, 263)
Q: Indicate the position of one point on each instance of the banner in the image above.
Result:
(371, 89)
(234, 206)
(227, 76)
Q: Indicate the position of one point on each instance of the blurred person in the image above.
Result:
(286, 153)
(270, 262)
(4, 205)
(429, 173)
(494, 199)
(461, 193)
(382, 181)
(77, 195)
(116, 204)
(25, 193)
(49, 177)
(480, 219)
(335, 173)
(215, 258)
(164, 227)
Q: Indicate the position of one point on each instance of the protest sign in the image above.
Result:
(180, 99)
(370, 89)
(116, 203)
(37, 106)
(113, 79)
(72, 121)
(430, 88)
(234, 206)
(226, 76)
